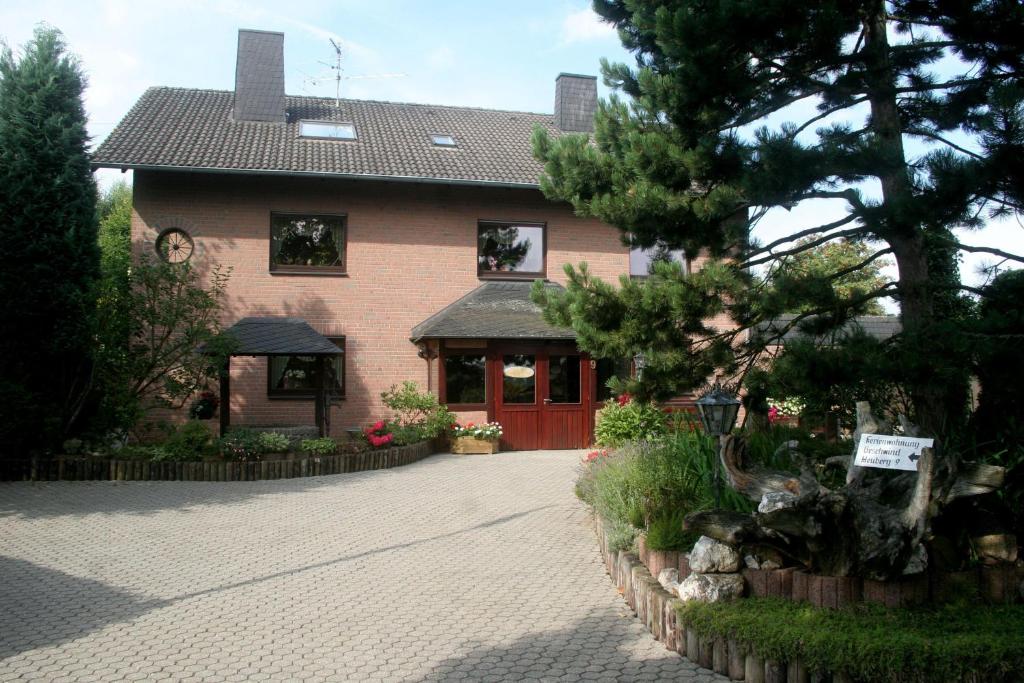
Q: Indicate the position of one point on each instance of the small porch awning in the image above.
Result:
(494, 310)
(279, 336)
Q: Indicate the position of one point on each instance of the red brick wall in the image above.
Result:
(411, 251)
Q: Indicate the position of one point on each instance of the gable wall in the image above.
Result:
(411, 251)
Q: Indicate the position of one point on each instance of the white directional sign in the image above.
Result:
(890, 452)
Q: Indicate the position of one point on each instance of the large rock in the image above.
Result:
(776, 500)
(669, 579)
(711, 587)
(712, 557)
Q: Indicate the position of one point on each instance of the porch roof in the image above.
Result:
(279, 336)
(494, 310)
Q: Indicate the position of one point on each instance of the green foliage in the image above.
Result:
(800, 105)
(634, 421)
(273, 442)
(141, 452)
(815, 267)
(190, 441)
(241, 444)
(51, 262)
(418, 412)
(656, 484)
(319, 447)
(404, 435)
(872, 643)
(149, 336)
(665, 532)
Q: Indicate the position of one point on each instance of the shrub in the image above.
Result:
(654, 485)
(403, 436)
(418, 409)
(319, 447)
(620, 423)
(137, 452)
(189, 442)
(241, 444)
(273, 442)
(665, 532)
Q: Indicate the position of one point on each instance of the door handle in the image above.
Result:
(547, 401)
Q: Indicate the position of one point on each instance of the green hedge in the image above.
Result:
(872, 643)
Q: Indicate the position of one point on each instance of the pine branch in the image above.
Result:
(804, 247)
(803, 233)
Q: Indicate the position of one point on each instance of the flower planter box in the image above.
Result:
(466, 445)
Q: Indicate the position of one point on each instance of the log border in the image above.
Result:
(66, 468)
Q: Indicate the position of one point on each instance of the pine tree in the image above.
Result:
(48, 233)
(738, 108)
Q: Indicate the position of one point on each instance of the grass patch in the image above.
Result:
(872, 643)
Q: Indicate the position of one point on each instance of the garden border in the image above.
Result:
(658, 610)
(66, 468)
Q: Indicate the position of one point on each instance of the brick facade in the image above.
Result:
(411, 250)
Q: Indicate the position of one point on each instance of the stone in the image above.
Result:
(776, 500)
(751, 562)
(918, 562)
(711, 587)
(712, 557)
(669, 579)
(770, 564)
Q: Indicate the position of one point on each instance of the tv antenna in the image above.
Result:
(337, 74)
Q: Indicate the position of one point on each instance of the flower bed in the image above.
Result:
(101, 469)
(763, 639)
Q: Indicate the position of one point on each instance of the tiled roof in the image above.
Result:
(878, 326)
(494, 310)
(286, 336)
(188, 129)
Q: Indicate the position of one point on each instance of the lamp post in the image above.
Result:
(640, 362)
(718, 410)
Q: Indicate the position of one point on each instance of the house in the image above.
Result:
(405, 235)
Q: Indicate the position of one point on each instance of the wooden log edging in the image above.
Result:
(91, 469)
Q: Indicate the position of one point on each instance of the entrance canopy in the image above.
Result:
(494, 310)
(279, 336)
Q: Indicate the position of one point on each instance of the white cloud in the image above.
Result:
(585, 25)
(442, 57)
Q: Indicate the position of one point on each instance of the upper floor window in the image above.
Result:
(307, 243)
(327, 129)
(296, 376)
(510, 249)
(641, 260)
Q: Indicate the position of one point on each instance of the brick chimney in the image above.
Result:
(575, 102)
(259, 76)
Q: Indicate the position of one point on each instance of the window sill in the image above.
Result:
(466, 407)
(511, 276)
(299, 397)
(301, 271)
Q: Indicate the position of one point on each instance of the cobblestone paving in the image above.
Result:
(456, 567)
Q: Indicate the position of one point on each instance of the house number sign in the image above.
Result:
(890, 452)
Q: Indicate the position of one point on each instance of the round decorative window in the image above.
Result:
(174, 245)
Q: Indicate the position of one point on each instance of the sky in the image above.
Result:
(501, 55)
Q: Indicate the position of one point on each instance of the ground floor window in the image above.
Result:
(296, 376)
(465, 378)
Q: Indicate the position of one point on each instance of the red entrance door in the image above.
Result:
(541, 397)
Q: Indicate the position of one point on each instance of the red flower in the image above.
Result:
(624, 398)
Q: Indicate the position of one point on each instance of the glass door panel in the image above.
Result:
(563, 379)
(519, 379)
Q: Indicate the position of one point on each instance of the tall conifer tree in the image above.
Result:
(50, 253)
(738, 108)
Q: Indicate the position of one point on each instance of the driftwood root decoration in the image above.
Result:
(873, 526)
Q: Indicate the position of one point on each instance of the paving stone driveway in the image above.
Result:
(456, 567)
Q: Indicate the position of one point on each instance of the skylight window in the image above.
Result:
(442, 140)
(327, 129)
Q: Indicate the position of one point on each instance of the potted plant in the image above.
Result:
(205, 406)
(474, 438)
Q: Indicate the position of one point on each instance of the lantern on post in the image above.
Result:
(640, 362)
(718, 410)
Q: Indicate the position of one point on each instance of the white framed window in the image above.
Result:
(641, 260)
